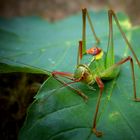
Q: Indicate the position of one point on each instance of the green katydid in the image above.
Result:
(88, 71)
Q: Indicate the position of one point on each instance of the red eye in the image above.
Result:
(93, 51)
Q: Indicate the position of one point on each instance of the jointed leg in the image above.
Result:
(110, 44)
(79, 55)
(67, 75)
(126, 40)
(101, 86)
(132, 70)
(84, 15)
(110, 50)
(133, 74)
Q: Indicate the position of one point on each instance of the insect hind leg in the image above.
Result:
(113, 67)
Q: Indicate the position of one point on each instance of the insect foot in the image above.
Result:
(97, 133)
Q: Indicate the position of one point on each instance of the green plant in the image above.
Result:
(56, 113)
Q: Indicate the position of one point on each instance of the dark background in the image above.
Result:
(56, 9)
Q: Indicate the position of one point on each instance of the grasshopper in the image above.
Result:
(87, 71)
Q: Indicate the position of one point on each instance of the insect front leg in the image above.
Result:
(69, 76)
(101, 86)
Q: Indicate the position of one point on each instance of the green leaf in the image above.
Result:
(58, 113)
(32, 41)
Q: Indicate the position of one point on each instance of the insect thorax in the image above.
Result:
(91, 66)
